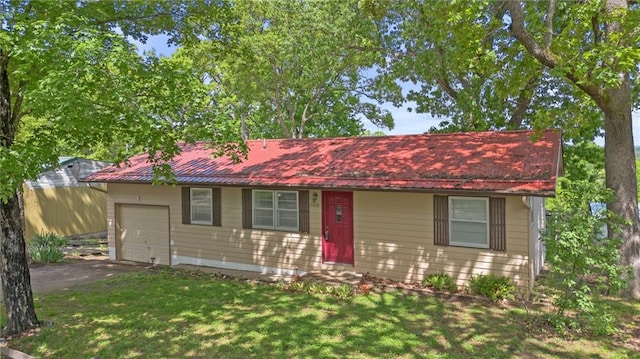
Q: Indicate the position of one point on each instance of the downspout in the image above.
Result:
(525, 201)
(530, 245)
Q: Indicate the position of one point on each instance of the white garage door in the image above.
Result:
(144, 235)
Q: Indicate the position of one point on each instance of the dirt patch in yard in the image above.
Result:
(86, 261)
(77, 271)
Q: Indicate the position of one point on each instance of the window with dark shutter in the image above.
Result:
(497, 224)
(202, 206)
(465, 236)
(186, 205)
(247, 209)
(440, 220)
(217, 207)
(303, 211)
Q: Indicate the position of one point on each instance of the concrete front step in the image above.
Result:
(332, 277)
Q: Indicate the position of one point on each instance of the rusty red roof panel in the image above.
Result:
(523, 162)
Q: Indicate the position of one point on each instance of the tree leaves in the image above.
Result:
(75, 76)
(471, 70)
(294, 69)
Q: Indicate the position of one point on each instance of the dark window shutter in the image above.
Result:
(497, 224)
(303, 211)
(217, 206)
(186, 205)
(441, 220)
(247, 209)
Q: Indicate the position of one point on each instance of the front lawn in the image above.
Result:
(171, 314)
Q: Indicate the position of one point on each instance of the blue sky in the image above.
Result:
(405, 122)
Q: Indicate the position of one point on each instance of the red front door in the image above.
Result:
(337, 224)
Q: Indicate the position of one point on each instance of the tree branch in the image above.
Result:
(523, 102)
(548, 36)
(442, 80)
(595, 27)
(544, 55)
(17, 105)
(518, 30)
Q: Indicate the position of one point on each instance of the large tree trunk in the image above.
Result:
(620, 162)
(620, 167)
(14, 271)
(16, 281)
(615, 102)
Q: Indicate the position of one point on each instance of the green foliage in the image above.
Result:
(492, 286)
(47, 248)
(584, 161)
(212, 318)
(481, 77)
(598, 322)
(316, 287)
(295, 69)
(478, 77)
(78, 86)
(440, 282)
(297, 286)
(584, 265)
(343, 291)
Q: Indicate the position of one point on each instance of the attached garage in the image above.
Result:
(143, 233)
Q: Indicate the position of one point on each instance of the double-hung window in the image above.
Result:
(469, 222)
(275, 210)
(201, 206)
(478, 222)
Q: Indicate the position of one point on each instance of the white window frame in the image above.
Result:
(191, 205)
(452, 240)
(276, 211)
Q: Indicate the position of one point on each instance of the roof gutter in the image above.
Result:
(96, 188)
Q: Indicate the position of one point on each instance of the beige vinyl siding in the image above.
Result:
(394, 238)
(228, 243)
(66, 211)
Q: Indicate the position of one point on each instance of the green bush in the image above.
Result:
(315, 287)
(440, 282)
(583, 265)
(492, 286)
(47, 248)
(343, 291)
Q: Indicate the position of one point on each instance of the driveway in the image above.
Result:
(73, 272)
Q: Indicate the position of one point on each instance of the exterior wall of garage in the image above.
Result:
(393, 237)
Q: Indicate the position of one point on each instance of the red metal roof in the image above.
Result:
(504, 162)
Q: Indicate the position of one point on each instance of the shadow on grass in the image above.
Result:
(167, 314)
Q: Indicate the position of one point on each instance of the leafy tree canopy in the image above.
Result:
(474, 72)
(295, 69)
(78, 83)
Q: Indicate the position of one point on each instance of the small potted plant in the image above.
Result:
(365, 288)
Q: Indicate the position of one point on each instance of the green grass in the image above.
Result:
(169, 314)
